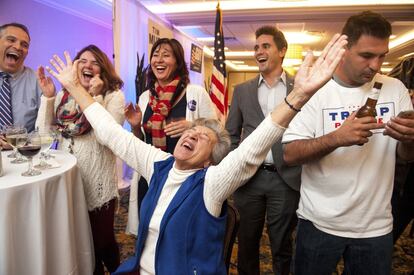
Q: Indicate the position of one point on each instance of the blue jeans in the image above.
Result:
(318, 253)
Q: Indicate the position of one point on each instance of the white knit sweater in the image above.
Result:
(96, 162)
(220, 181)
(201, 107)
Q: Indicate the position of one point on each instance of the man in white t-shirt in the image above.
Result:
(344, 209)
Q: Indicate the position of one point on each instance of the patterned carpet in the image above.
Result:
(403, 258)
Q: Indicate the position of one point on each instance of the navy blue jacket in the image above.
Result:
(190, 239)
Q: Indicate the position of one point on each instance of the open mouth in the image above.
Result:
(12, 57)
(87, 75)
(160, 69)
(261, 59)
(187, 146)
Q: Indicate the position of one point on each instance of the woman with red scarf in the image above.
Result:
(168, 108)
(95, 161)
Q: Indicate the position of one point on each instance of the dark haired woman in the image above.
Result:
(95, 161)
(169, 106)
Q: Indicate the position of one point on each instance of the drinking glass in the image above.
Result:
(13, 133)
(29, 147)
(46, 139)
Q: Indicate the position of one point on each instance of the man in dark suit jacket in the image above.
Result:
(272, 193)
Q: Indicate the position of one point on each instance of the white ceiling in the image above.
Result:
(239, 25)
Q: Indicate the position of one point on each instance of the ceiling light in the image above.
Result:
(186, 27)
(402, 39)
(205, 39)
(301, 38)
(291, 37)
(231, 65)
(225, 48)
(239, 54)
(386, 69)
(237, 61)
(192, 6)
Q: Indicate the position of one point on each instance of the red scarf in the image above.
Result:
(161, 101)
(69, 118)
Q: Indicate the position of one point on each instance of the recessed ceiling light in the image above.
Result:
(402, 39)
(386, 69)
(301, 37)
(205, 39)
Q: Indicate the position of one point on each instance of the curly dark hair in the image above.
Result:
(178, 51)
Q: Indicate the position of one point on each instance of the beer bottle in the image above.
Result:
(369, 108)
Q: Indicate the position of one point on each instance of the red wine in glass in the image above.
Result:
(29, 150)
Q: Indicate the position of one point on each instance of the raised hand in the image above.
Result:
(175, 129)
(45, 83)
(66, 74)
(96, 85)
(355, 130)
(133, 115)
(311, 77)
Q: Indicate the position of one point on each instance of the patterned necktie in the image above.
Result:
(6, 117)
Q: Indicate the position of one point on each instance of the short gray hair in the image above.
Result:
(222, 147)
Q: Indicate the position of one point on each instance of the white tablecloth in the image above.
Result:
(44, 222)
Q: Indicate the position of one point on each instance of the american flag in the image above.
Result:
(218, 88)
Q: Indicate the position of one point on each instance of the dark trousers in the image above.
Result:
(318, 253)
(403, 199)
(105, 246)
(265, 197)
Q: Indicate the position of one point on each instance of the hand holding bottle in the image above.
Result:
(355, 130)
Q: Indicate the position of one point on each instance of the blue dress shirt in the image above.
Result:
(25, 97)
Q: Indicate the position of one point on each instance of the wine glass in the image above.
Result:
(46, 140)
(13, 133)
(29, 147)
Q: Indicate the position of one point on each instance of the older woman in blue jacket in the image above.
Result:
(182, 218)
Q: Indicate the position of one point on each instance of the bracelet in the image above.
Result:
(291, 106)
